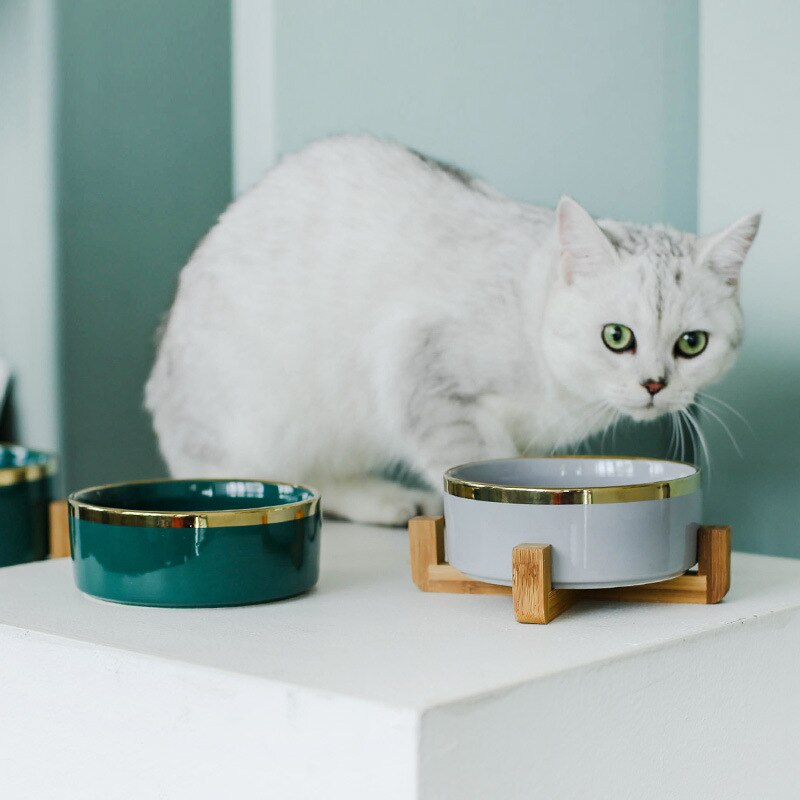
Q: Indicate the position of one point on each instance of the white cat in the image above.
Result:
(365, 306)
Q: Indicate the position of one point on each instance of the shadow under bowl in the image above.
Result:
(195, 543)
(611, 521)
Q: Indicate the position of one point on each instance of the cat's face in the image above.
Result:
(642, 318)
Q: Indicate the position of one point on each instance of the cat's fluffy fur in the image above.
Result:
(364, 306)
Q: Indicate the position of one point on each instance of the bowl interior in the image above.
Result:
(571, 473)
(193, 495)
(12, 456)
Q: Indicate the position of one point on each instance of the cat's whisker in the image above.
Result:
(604, 409)
(566, 437)
(677, 426)
(689, 437)
(715, 416)
(699, 440)
(609, 429)
(671, 448)
(587, 419)
(617, 418)
(684, 447)
(610, 425)
(603, 437)
(565, 440)
(693, 449)
(728, 406)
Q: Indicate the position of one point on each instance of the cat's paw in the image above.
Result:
(394, 507)
(379, 502)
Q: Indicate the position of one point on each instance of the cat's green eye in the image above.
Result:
(618, 338)
(691, 344)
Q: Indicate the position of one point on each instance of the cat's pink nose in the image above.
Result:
(654, 386)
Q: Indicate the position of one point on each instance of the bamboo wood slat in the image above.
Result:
(59, 529)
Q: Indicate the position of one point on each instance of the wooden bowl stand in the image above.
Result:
(535, 599)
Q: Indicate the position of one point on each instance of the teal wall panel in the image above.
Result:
(144, 169)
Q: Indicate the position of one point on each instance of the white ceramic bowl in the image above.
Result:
(612, 521)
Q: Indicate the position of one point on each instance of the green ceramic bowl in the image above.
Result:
(195, 543)
(26, 479)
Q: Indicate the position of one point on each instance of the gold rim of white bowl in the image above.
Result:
(585, 495)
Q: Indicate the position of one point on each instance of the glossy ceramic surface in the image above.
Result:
(26, 478)
(195, 543)
(611, 521)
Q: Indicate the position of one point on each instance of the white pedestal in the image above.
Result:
(369, 688)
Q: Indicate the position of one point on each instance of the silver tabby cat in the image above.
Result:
(365, 305)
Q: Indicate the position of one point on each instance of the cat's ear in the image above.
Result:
(724, 252)
(585, 249)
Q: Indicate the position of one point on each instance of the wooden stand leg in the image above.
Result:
(535, 599)
(426, 540)
(714, 560)
(59, 529)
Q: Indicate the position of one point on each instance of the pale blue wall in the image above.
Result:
(598, 100)
(750, 129)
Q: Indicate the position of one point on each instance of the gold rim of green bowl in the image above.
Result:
(555, 496)
(30, 472)
(233, 518)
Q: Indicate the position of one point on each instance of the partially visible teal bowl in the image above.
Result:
(26, 478)
(195, 543)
